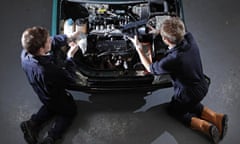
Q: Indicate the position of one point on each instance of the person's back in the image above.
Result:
(188, 66)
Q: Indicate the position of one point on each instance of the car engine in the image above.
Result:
(104, 44)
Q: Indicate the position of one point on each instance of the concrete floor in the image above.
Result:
(128, 118)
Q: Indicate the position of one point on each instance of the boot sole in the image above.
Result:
(224, 126)
(27, 134)
(214, 134)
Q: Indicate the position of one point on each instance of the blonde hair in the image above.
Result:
(173, 30)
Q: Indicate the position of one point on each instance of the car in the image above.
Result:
(107, 59)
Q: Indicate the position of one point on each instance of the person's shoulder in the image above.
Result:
(188, 35)
(24, 55)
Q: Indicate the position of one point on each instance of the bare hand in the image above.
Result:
(135, 42)
(73, 49)
(74, 36)
(153, 30)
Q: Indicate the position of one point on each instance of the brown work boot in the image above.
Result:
(206, 128)
(219, 120)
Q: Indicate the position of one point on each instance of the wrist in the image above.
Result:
(140, 50)
(69, 39)
(71, 52)
(139, 46)
(69, 56)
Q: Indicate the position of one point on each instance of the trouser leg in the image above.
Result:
(42, 116)
(185, 111)
(65, 114)
(60, 126)
(190, 113)
(30, 128)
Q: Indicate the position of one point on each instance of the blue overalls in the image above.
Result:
(184, 65)
(49, 82)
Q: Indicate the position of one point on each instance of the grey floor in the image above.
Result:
(126, 118)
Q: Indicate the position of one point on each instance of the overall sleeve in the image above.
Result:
(164, 66)
(58, 78)
(67, 72)
(58, 41)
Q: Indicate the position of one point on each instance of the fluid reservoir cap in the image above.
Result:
(70, 21)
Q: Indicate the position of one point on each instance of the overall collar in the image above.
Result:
(43, 59)
(182, 46)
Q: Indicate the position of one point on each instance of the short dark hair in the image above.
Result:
(34, 38)
(173, 29)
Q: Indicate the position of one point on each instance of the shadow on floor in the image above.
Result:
(112, 119)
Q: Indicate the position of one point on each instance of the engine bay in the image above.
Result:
(104, 44)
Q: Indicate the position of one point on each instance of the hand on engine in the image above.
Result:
(74, 36)
(73, 49)
(153, 30)
(135, 42)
